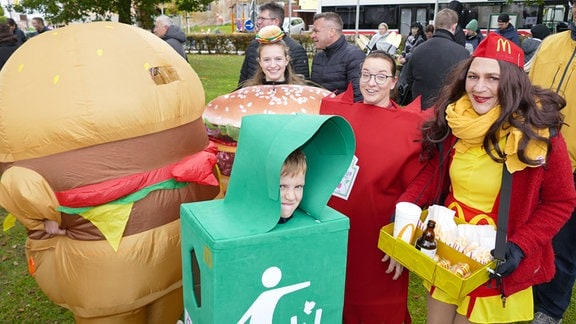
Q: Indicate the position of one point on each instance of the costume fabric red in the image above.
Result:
(541, 202)
(388, 160)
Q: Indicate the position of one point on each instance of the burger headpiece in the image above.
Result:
(270, 35)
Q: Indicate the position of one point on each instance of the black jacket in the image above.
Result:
(176, 38)
(510, 33)
(298, 59)
(20, 35)
(337, 65)
(429, 65)
(459, 36)
(8, 45)
(530, 46)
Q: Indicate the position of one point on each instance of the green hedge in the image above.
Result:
(232, 43)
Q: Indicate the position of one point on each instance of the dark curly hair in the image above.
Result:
(524, 106)
(421, 32)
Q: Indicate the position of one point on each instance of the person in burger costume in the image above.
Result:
(273, 60)
(96, 167)
(489, 121)
(387, 161)
(272, 14)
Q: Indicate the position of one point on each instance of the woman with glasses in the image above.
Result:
(387, 151)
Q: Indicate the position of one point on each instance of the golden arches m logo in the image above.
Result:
(503, 45)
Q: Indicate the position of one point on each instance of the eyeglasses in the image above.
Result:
(264, 18)
(378, 78)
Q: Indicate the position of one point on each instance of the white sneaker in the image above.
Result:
(541, 318)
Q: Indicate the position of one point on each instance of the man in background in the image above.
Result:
(430, 62)
(171, 34)
(506, 29)
(38, 24)
(273, 14)
(554, 67)
(337, 62)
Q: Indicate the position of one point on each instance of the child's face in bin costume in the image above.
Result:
(291, 192)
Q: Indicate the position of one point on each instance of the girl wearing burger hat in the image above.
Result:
(490, 120)
(273, 60)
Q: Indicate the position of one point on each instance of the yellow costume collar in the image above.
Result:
(470, 128)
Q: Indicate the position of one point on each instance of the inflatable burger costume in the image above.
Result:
(102, 140)
(223, 115)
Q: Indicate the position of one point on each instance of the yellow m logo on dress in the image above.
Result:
(505, 45)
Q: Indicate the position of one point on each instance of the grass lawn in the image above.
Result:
(21, 301)
(219, 74)
(224, 29)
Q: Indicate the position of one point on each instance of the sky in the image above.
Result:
(15, 15)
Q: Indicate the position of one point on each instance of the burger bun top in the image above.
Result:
(228, 110)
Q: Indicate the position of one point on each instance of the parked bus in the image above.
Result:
(400, 14)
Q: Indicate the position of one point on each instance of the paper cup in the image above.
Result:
(406, 220)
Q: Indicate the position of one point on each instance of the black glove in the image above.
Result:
(513, 257)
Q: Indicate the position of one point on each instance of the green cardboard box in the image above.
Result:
(239, 265)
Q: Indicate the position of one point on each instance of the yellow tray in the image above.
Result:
(427, 269)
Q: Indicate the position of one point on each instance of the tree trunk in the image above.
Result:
(124, 15)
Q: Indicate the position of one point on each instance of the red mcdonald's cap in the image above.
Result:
(499, 48)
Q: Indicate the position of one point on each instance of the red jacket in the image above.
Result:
(542, 200)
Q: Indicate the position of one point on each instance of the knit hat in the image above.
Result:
(499, 48)
(539, 31)
(269, 34)
(472, 25)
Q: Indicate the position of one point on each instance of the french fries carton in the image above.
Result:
(429, 270)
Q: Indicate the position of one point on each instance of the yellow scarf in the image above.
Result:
(470, 128)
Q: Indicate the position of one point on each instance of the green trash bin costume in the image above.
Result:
(239, 264)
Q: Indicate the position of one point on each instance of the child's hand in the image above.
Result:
(393, 266)
(52, 227)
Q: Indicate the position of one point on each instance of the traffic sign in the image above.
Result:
(249, 25)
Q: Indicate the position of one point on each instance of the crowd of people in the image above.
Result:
(480, 118)
(11, 36)
(484, 118)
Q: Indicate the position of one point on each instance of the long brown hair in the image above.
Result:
(524, 106)
(289, 75)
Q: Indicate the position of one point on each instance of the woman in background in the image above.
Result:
(8, 43)
(416, 37)
(377, 41)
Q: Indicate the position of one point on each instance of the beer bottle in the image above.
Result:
(427, 242)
